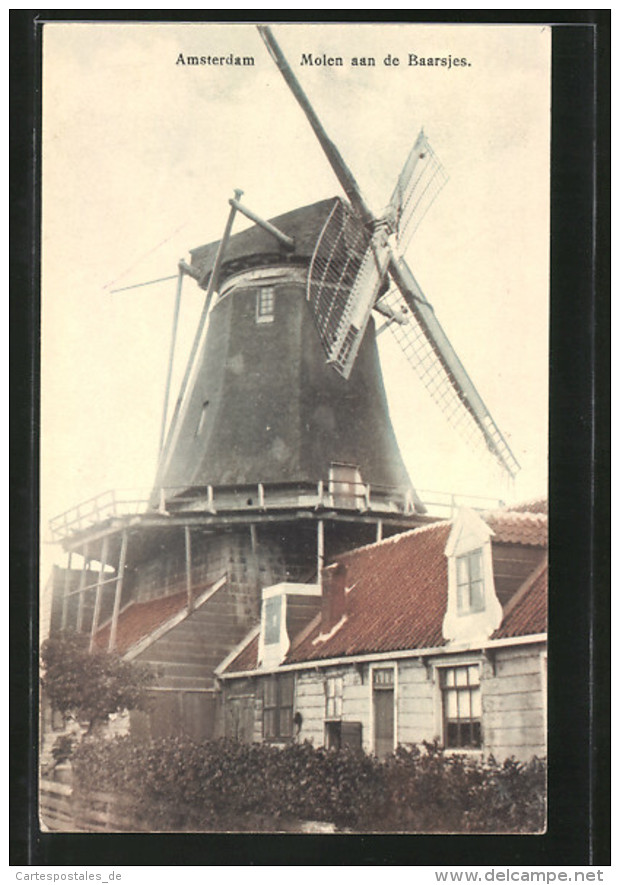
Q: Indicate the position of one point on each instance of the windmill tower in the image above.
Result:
(279, 453)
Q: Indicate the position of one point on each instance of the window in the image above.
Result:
(265, 305)
(203, 415)
(278, 695)
(469, 583)
(345, 486)
(460, 690)
(333, 697)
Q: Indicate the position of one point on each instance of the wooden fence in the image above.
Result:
(63, 809)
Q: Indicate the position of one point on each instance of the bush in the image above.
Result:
(225, 785)
(87, 685)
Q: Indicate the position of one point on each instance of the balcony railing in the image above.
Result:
(341, 495)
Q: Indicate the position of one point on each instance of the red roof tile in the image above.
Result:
(518, 528)
(537, 505)
(140, 619)
(526, 613)
(247, 659)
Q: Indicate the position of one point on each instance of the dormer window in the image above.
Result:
(265, 304)
(473, 610)
(469, 583)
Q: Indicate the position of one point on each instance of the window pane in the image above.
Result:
(477, 597)
(462, 571)
(338, 706)
(273, 615)
(461, 675)
(475, 566)
(270, 694)
(452, 733)
(286, 722)
(464, 704)
(287, 691)
(474, 674)
(448, 676)
(465, 737)
(451, 704)
(269, 723)
(476, 734)
(384, 676)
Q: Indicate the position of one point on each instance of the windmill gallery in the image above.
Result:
(284, 576)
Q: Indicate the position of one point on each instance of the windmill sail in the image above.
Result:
(432, 357)
(422, 178)
(346, 272)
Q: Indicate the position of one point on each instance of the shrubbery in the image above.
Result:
(181, 784)
(88, 685)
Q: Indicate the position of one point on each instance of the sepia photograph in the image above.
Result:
(294, 428)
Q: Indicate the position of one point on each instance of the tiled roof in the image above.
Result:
(397, 595)
(518, 528)
(247, 659)
(537, 505)
(526, 613)
(140, 619)
(396, 599)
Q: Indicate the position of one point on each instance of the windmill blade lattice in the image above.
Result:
(444, 388)
(346, 272)
(419, 183)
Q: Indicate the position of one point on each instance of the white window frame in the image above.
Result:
(337, 697)
(438, 667)
(382, 665)
(269, 294)
(467, 558)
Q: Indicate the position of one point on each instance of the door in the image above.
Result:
(383, 711)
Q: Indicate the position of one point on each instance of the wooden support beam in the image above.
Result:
(65, 596)
(280, 236)
(188, 568)
(320, 551)
(119, 591)
(99, 592)
(80, 611)
(173, 339)
(170, 438)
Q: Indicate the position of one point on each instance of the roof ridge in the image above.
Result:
(418, 530)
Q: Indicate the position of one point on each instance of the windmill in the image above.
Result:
(355, 267)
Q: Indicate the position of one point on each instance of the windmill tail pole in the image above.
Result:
(342, 171)
(173, 338)
(201, 324)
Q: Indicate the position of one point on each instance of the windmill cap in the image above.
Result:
(255, 246)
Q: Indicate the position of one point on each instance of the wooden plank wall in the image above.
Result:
(513, 714)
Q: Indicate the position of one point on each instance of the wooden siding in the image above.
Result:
(513, 715)
(416, 703)
(512, 691)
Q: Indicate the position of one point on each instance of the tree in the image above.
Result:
(88, 685)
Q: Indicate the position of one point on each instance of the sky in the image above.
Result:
(140, 155)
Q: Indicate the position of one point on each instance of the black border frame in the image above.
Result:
(579, 672)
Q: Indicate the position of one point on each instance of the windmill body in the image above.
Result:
(264, 406)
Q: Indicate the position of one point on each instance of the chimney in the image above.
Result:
(333, 601)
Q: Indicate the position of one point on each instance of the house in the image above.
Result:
(437, 633)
